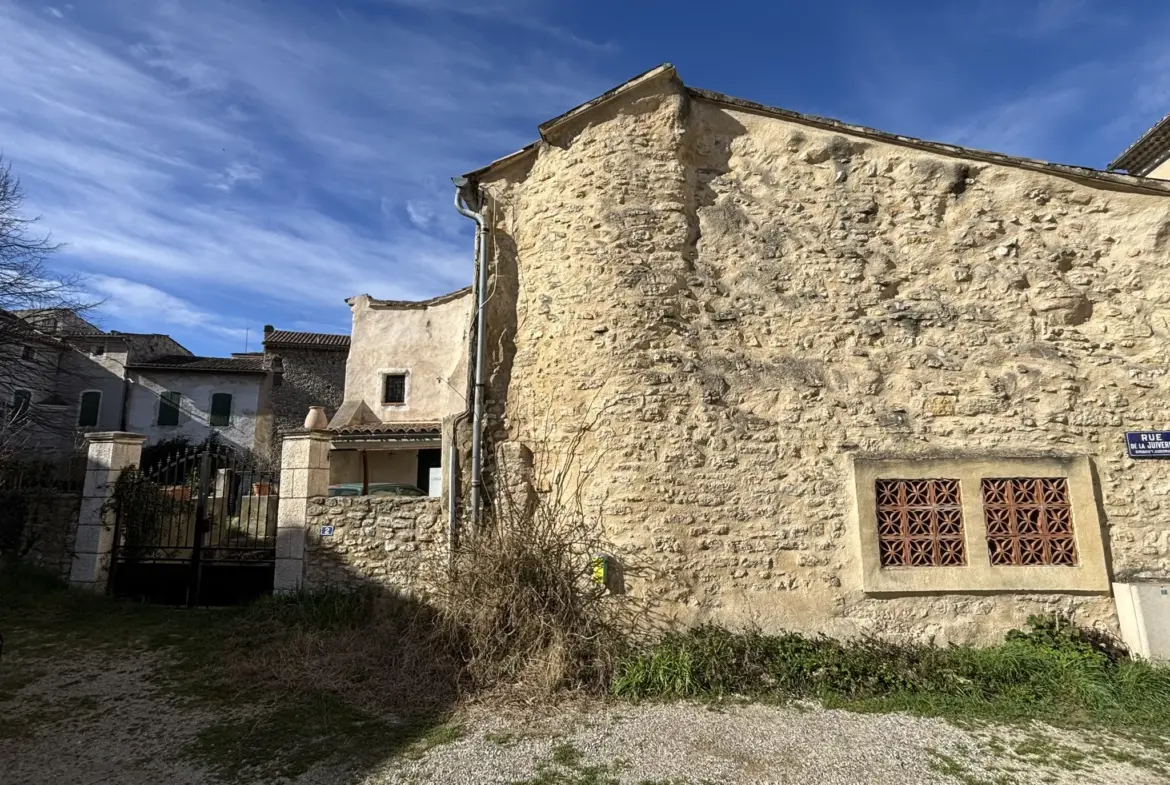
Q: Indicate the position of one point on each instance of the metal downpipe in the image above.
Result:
(480, 348)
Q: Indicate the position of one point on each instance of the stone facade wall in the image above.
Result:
(43, 526)
(312, 377)
(384, 541)
(742, 301)
(424, 340)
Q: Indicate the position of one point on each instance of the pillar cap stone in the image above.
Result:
(119, 437)
(308, 433)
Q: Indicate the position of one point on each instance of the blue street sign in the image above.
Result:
(326, 531)
(1148, 444)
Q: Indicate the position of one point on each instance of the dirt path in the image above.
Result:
(92, 719)
(106, 718)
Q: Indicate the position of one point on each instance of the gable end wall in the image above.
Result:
(743, 303)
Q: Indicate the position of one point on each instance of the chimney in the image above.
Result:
(269, 328)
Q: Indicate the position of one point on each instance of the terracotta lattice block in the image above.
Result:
(1029, 521)
(920, 523)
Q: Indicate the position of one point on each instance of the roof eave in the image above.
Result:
(442, 299)
(189, 369)
(1105, 178)
(549, 128)
(1136, 151)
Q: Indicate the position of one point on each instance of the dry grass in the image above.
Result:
(383, 654)
(515, 615)
(524, 609)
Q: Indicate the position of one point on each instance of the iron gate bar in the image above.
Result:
(200, 530)
(195, 509)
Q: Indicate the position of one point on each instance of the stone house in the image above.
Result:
(189, 397)
(307, 369)
(828, 378)
(405, 377)
(75, 378)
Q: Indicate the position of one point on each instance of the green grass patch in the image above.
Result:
(950, 766)
(286, 739)
(1052, 672)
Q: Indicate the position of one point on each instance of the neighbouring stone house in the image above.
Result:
(73, 378)
(308, 369)
(188, 397)
(827, 378)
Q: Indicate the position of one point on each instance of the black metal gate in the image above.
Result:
(197, 528)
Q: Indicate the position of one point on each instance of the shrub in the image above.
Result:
(527, 614)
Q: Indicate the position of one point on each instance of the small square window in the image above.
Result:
(920, 523)
(1029, 521)
(28, 353)
(394, 388)
(99, 350)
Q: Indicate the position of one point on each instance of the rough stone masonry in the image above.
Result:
(741, 300)
(381, 541)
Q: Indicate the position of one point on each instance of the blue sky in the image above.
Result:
(215, 166)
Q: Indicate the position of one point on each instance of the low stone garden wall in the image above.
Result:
(39, 528)
(362, 540)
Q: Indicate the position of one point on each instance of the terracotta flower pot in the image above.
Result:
(178, 492)
(261, 489)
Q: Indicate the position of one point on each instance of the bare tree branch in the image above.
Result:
(35, 306)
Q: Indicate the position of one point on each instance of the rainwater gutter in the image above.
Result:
(462, 187)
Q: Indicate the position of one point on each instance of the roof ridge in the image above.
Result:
(1097, 176)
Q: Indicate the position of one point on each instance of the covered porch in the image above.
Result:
(386, 458)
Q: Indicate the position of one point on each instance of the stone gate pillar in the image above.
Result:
(304, 473)
(109, 454)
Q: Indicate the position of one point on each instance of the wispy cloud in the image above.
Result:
(265, 166)
(1093, 75)
(235, 173)
(144, 308)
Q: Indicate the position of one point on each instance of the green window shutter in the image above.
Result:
(91, 406)
(221, 410)
(168, 408)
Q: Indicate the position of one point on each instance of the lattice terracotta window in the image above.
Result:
(1029, 521)
(920, 523)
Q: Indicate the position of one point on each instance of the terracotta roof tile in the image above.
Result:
(306, 340)
(177, 362)
(392, 428)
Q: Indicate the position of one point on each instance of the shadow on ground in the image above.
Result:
(323, 687)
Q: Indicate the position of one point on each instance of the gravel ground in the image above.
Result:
(99, 719)
(684, 743)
